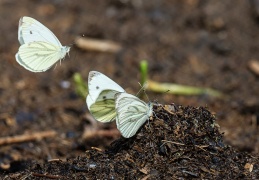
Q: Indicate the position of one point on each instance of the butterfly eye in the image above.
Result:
(104, 97)
(30, 32)
(97, 87)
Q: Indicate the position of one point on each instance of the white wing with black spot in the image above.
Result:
(31, 30)
(40, 49)
(100, 99)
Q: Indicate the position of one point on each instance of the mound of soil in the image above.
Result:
(177, 142)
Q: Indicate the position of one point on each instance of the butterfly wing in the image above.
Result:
(100, 100)
(31, 30)
(38, 56)
(131, 112)
(103, 109)
(97, 83)
(40, 49)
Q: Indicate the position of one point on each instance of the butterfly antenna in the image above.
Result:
(146, 95)
(155, 114)
(144, 91)
(72, 44)
(141, 87)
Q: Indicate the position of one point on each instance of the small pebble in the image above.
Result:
(65, 84)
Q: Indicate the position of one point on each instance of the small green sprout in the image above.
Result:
(144, 72)
(81, 86)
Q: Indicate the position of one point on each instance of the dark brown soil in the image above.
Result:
(201, 43)
(182, 142)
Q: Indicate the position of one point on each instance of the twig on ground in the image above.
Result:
(55, 160)
(89, 134)
(181, 144)
(27, 137)
(46, 176)
(253, 66)
(165, 141)
(97, 45)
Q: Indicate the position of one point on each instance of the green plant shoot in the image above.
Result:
(81, 86)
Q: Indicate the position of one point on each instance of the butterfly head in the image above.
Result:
(150, 110)
(67, 49)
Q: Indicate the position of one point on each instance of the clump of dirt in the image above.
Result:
(177, 142)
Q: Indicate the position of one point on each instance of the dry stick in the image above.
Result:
(97, 45)
(172, 142)
(101, 133)
(46, 176)
(55, 160)
(97, 149)
(253, 66)
(27, 137)
(202, 147)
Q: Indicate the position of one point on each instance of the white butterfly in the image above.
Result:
(131, 112)
(40, 48)
(100, 99)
